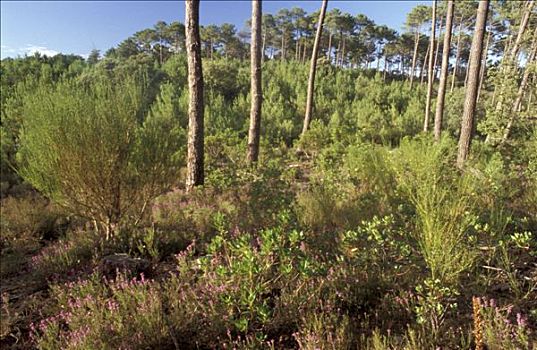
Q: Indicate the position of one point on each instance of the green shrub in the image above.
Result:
(89, 148)
(443, 202)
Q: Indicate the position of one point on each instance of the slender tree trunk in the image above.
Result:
(385, 69)
(296, 51)
(342, 58)
(430, 77)
(467, 70)
(329, 51)
(458, 56)
(443, 73)
(283, 46)
(521, 29)
(437, 47)
(263, 48)
(195, 169)
(509, 61)
(313, 68)
(414, 57)
(304, 50)
(338, 54)
(470, 101)
(255, 84)
(483, 65)
(424, 63)
(521, 89)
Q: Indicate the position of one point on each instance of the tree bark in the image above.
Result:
(313, 68)
(256, 93)
(521, 29)
(437, 47)
(329, 51)
(424, 63)
(458, 56)
(263, 46)
(195, 169)
(521, 89)
(414, 57)
(342, 58)
(430, 76)
(283, 46)
(470, 100)
(483, 65)
(443, 73)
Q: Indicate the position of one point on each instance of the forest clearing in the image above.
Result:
(311, 181)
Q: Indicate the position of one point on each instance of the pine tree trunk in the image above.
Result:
(414, 57)
(443, 73)
(256, 93)
(329, 51)
(384, 69)
(283, 46)
(470, 101)
(437, 47)
(424, 63)
(338, 53)
(313, 68)
(342, 58)
(195, 170)
(263, 46)
(521, 89)
(521, 29)
(458, 56)
(483, 65)
(430, 75)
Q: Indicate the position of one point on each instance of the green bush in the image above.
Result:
(88, 147)
(443, 202)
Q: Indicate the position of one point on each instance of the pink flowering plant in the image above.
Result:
(97, 313)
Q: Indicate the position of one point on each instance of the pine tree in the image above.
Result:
(195, 168)
(444, 72)
(470, 101)
(255, 86)
(430, 80)
(313, 68)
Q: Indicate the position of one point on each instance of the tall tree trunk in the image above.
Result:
(304, 50)
(342, 58)
(467, 71)
(470, 101)
(255, 84)
(385, 69)
(313, 68)
(283, 46)
(338, 53)
(329, 51)
(195, 170)
(424, 65)
(263, 46)
(458, 56)
(483, 65)
(414, 57)
(430, 76)
(521, 29)
(443, 73)
(521, 89)
(437, 47)
(511, 57)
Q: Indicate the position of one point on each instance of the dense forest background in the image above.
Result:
(366, 228)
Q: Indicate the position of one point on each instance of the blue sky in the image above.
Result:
(80, 26)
